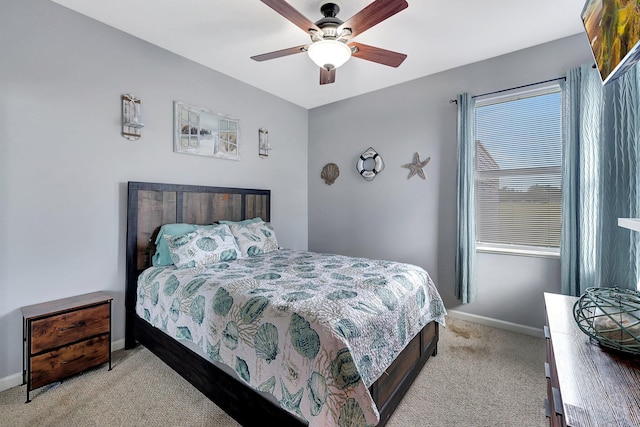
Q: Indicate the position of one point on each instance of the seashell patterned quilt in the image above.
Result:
(314, 330)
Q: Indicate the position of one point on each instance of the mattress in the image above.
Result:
(313, 330)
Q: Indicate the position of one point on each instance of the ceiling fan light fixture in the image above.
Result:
(329, 54)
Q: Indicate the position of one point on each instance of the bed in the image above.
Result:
(270, 297)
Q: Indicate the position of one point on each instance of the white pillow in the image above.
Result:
(255, 238)
(202, 247)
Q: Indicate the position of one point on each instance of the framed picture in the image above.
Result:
(613, 28)
(204, 133)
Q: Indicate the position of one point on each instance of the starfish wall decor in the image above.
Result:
(416, 166)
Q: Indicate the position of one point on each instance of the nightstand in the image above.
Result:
(65, 337)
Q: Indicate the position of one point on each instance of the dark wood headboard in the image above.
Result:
(150, 205)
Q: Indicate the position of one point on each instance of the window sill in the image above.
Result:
(518, 251)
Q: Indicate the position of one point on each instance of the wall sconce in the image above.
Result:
(131, 125)
(263, 143)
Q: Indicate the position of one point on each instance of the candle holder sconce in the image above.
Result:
(131, 125)
(263, 143)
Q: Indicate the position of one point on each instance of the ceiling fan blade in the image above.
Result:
(327, 76)
(371, 15)
(376, 54)
(280, 53)
(286, 10)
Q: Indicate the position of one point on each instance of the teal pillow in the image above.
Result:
(242, 223)
(162, 255)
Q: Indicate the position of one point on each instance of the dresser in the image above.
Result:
(65, 337)
(587, 385)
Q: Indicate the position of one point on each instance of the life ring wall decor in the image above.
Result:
(369, 164)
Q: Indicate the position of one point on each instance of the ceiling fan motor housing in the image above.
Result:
(330, 23)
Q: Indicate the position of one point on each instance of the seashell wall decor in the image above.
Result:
(330, 173)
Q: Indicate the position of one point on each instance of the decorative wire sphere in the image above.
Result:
(611, 316)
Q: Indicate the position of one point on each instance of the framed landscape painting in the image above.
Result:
(613, 28)
(204, 133)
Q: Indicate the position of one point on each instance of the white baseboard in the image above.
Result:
(16, 379)
(496, 323)
(117, 345)
(11, 381)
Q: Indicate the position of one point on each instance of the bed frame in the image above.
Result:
(149, 206)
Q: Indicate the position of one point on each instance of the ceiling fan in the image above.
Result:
(331, 44)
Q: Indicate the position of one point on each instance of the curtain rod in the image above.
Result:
(455, 101)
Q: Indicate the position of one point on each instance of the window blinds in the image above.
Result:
(518, 157)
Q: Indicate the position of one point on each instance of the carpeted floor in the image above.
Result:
(482, 376)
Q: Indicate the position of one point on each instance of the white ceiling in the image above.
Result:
(435, 34)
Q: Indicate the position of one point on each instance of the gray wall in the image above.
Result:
(414, 220)
(64, 165)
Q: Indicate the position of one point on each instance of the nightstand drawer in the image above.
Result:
(66, 361)
(69, 327)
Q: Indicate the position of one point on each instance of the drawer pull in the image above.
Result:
(557, 400)
(77, 325)
(64, 362)
(547, 409)
(547, 371)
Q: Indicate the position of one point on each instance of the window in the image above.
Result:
(518, 157)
